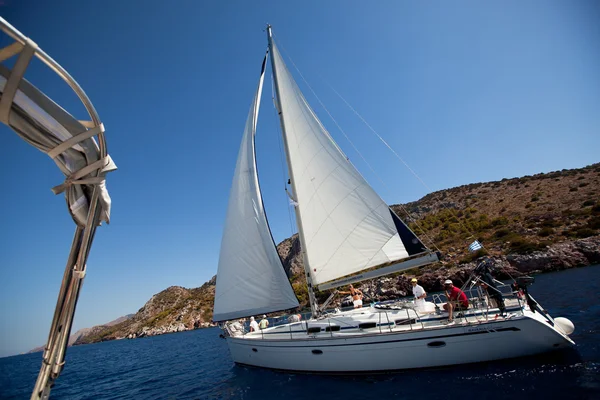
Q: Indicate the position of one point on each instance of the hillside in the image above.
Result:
(175, 309)
(517, 215)
(534, 223)
(87, 331)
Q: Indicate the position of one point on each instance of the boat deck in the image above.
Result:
(391, 317)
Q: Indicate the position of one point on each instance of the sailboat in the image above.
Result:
(348, 234)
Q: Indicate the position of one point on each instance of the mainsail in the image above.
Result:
(250, 278)
(346, 226)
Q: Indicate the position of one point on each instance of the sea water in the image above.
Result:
(197, 365)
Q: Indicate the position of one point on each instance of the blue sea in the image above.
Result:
(196, 365)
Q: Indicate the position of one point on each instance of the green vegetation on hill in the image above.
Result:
(518, 215)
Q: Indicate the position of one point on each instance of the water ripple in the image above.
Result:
(196, 365)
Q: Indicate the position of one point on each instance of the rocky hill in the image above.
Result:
(531, 224)
(175, 309)
(87, 331)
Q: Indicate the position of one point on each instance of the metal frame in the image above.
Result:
(56, 347)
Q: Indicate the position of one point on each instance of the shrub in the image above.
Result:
(473, 256)
(573, 189)
(550, 223)
(580, 232)
(588, 203)
(594, 223)
(500, 221)
(301, 291)
(547, 231)
(500, 233)
(520, 245)
(583, 184)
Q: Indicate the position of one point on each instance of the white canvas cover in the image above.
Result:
(45, 125)
(250, 278)
(347, 227)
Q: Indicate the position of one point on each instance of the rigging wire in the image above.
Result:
(471, 234)
(424, 234)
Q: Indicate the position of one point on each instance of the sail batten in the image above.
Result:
(346, 226)
(250, 278)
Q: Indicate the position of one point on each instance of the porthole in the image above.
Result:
(436, 344)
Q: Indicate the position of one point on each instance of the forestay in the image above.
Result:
(346, 226)
(250, 278)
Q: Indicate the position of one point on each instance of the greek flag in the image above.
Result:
(475, 246)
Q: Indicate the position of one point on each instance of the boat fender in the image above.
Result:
(564, 325)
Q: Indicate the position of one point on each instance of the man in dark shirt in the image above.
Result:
(457, 299)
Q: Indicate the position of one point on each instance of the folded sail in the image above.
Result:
(250, 278)
(346, 226)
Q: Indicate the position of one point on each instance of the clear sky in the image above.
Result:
(464, 91)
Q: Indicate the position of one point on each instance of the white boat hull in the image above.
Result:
(527, 334)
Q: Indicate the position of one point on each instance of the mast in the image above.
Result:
(311, 295)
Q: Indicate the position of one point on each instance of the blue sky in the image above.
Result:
(464, 91)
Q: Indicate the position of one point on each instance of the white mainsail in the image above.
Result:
(250, 278)
(346, 226)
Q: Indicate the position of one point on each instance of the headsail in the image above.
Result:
(347, 227)
(250, 278)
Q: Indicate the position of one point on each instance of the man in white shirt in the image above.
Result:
(419, 294)
(253, 325)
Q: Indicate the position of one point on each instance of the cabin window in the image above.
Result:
(512, 328)
(436, 344)
(367, 325)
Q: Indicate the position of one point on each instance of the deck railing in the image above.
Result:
(481, 309)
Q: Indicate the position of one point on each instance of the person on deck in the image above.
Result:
(294, 318)
(357, 296)
(494, 294)
(419, 294)
(264, 323)
(253, 325)
(457, 300)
